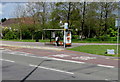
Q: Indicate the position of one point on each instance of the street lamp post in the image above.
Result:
(118, 26)
(118, 41)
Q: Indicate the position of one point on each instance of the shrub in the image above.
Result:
(74, 36)
(10, 35)
(113, 39)
(92, 39)
(104, 38)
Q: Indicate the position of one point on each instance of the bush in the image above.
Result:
(92, 39)
(113, 39)
(104, 38)
(107, 38)
(74, 36)
(10, 35)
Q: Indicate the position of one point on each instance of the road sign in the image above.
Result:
(110, 51)
(117, 22)
(66, 26)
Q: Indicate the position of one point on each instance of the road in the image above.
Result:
(55, 63)
(17, 65)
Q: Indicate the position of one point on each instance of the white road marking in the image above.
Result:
(51, 69)
(45, 57)
(63, 60)
(2, 48)
(12, 52)
(7, 60)
(105, 66)
(107, 58)
(57, 59)
(106, 79)
(61, 55)
(84, 58)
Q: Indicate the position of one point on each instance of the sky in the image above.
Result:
(7, 9)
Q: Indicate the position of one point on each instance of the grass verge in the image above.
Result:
(84, 41)
(96, 49)
(24, 40)
(73, 41)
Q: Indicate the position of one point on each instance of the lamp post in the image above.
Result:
(118, 39)
(117, 24)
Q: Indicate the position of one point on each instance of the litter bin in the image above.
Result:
(37, 40)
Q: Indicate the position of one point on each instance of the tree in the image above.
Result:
(83, 19)
(20, 13)
(105, 15)
(38, 11)
(3, 19)
(91, 19)
(32, 14)
(64, 11)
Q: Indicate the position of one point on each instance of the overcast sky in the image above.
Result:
(7, 9)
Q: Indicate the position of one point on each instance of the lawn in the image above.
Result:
(73, 41)
(85, 41)
(26, 40)
(95, 49)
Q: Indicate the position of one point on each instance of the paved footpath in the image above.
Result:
(60, 54)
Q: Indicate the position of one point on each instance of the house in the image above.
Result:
(24, 20)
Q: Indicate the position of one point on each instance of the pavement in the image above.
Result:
(36, 45)
(42, 45)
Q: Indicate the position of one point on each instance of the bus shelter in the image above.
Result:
(65, 37)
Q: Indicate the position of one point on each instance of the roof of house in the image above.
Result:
(25, 20)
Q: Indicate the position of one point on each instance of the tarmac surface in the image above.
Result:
(17, 65)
